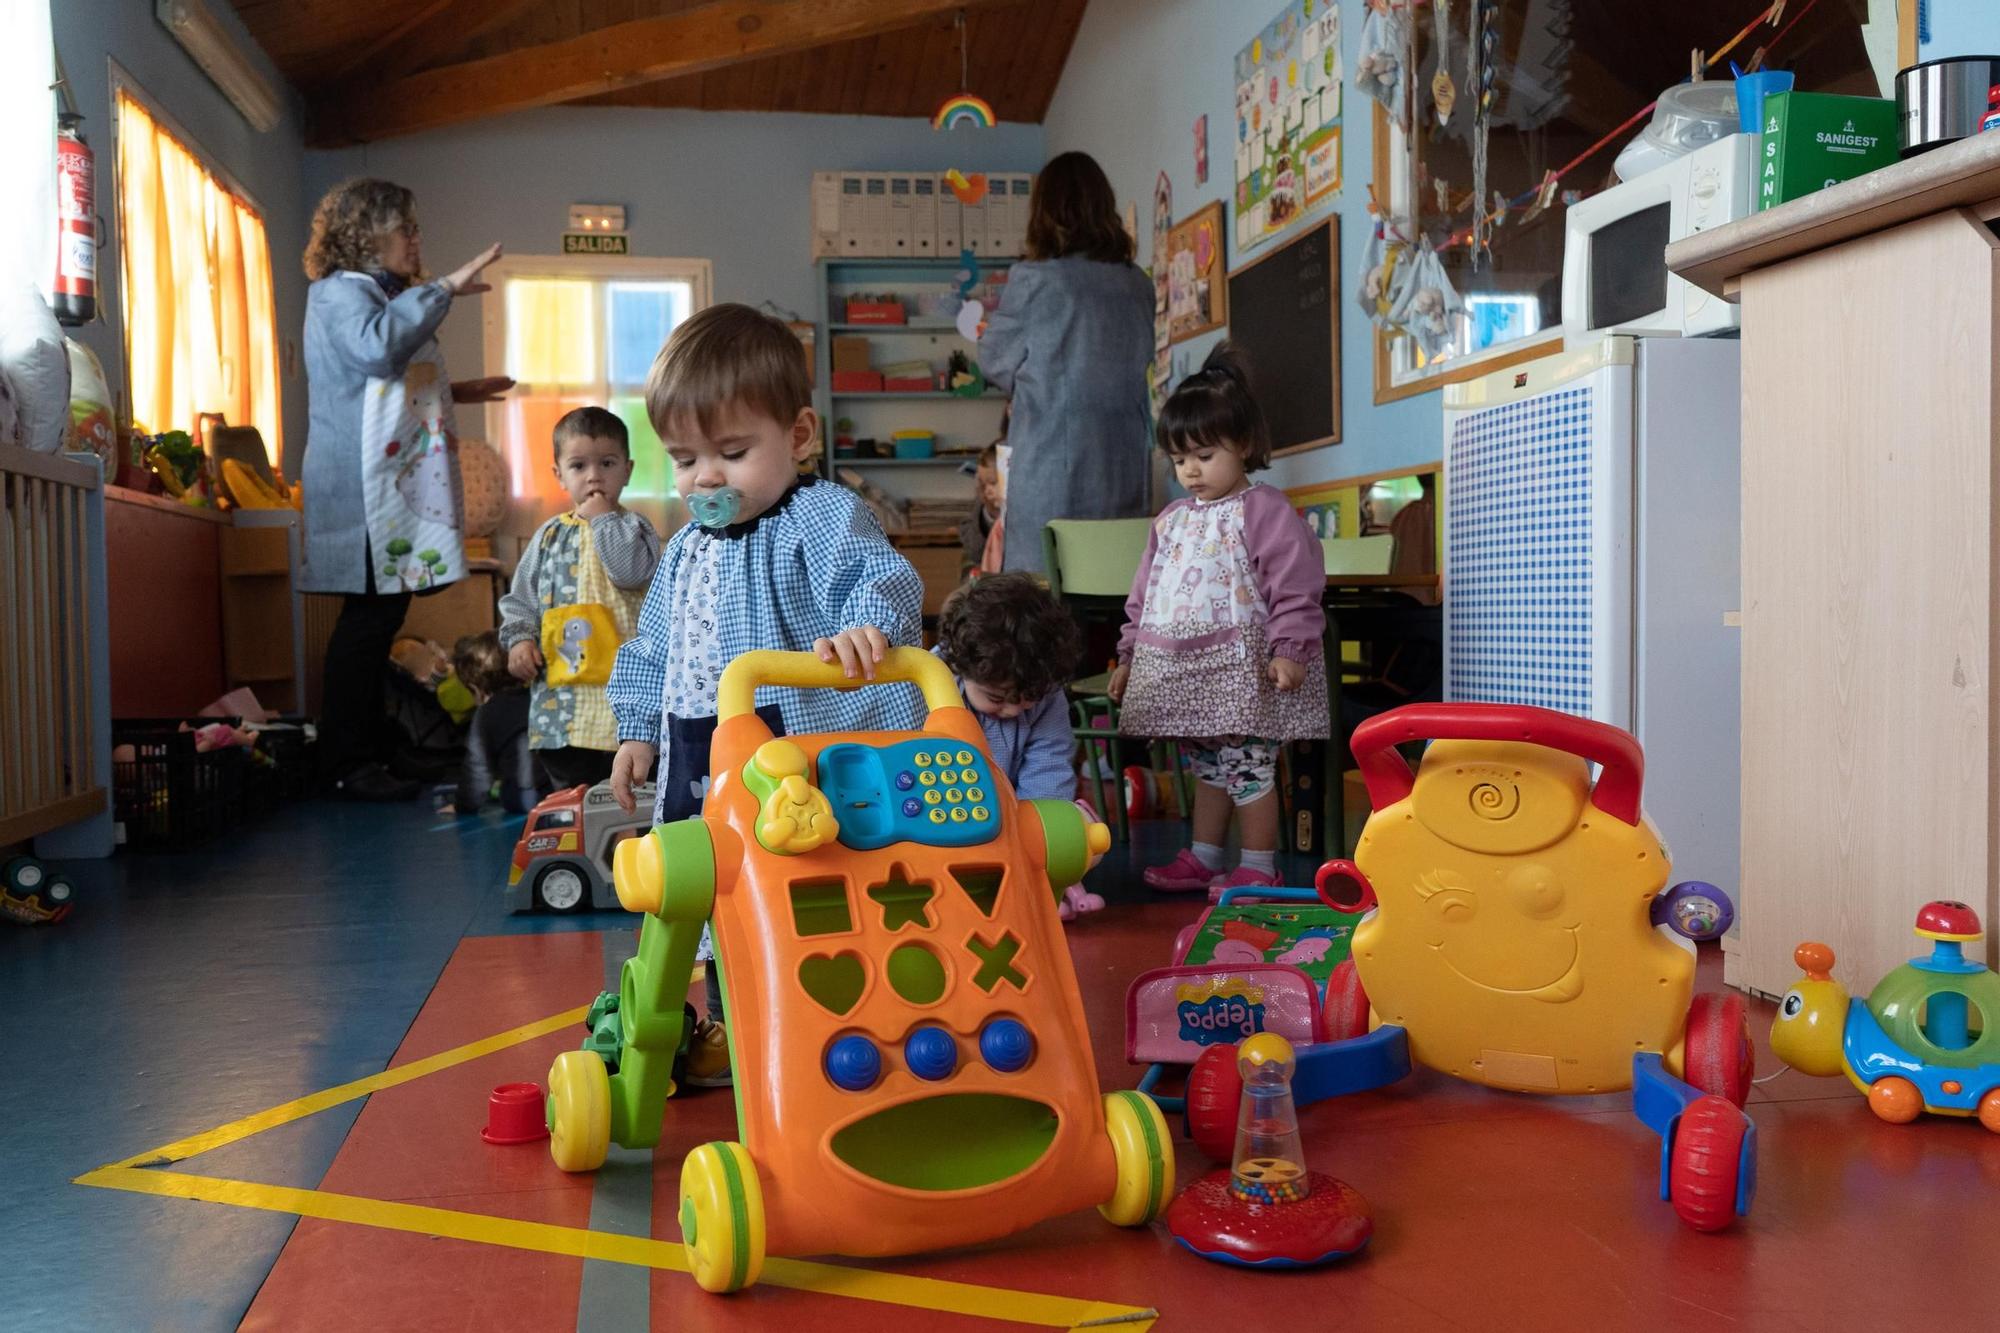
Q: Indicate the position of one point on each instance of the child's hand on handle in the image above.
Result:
(1286, 674)
(630, 765)
(1116, 689)
(858, 650)
(464, 280)
(524, 661)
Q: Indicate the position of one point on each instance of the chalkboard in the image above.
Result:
(1284, 317)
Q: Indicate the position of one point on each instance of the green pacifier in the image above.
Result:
(715, 509)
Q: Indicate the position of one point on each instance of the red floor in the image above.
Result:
(1494, 1211)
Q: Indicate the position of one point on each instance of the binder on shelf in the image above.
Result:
(853, 213)
(875, 214)
(1020, 188)
(825, 214)
(976, 220)
(950, 221)
(902, 214)
(924, 215)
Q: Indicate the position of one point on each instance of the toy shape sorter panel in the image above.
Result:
(1532, 553)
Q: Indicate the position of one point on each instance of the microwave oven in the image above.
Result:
(1615, 277)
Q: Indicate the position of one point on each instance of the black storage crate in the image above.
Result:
(169, 796)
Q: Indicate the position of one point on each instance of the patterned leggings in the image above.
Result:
(1244, 766)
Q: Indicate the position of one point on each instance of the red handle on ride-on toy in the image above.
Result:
(1389, 778)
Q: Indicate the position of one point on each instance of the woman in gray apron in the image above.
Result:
(384, 507)
(1070, 342)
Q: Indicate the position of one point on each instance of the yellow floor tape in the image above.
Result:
(138, 1174)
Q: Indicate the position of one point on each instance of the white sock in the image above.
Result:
(1264, 863)
(1208, 854)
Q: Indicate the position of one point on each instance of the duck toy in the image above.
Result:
(1927, 1038)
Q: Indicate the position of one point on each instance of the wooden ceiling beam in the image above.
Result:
(430, 32)
(712, 36)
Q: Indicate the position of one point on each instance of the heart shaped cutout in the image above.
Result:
(834, 982)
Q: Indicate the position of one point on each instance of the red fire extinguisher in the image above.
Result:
(76, 214)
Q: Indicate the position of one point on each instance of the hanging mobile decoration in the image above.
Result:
(963, 108)
(1444, 93)
(1482, 41)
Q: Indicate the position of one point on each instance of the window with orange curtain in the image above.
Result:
(576, 331)
(200, 326)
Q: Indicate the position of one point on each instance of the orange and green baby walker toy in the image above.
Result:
(913, 1070)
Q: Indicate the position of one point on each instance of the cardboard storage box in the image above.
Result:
(850, 352)
(857, 381)
(1813, 140)
(874, 312)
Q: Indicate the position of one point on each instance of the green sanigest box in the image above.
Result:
(1813, 140)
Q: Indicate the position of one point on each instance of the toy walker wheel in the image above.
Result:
(23, 876)
(579, 1111)
(1707, 1161)
(1896, 1100)
(1345, 1013)
(1141, 1146)
(1214, 1096)
(561, 889)
(722, 1217)
(1718, 1055)
(1989, 1110)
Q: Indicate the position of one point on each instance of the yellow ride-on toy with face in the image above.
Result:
(1514, 939)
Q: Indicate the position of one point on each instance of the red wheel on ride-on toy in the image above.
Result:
(1345, 1013)
(1718, 1055)
(1138, 781)
(1214, 1096)
(1707, 1160)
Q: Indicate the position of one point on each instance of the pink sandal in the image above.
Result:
(1240, 878)
(1183, 874)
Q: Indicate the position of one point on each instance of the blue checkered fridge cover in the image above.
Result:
(1538, 501)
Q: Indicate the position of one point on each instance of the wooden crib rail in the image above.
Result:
(50, 506)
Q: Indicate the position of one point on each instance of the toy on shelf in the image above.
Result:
(913, 1070)
(563, 859)
(1926, 1039)
(31, 895)
(1509, 941)
(1268, 1210)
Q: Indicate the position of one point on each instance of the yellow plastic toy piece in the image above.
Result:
(794, 817)
(722, 1217)
(1512, 939)
(1141, 1145)
(579, 1111)
(1267, 1048)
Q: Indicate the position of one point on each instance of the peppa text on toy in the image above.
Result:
(912, 1066)
(1927, 1038)
(1268, 1210)
(1510, 940)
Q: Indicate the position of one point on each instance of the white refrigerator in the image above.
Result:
(1592, 506)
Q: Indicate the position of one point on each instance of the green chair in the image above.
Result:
(1090, 565)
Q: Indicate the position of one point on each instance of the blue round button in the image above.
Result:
(912, 808)
(1006, 1045)
(931, 1053)
(853, 1063)
(905, 780)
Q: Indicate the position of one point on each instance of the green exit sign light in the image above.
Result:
(593, 243)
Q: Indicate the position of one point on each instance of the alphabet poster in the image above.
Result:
(1287, 119)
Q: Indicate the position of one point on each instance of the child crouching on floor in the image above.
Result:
(1014, 648)
(496, 745)
(776, 558)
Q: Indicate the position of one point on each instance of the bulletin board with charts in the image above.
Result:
(1287, 119)
(1197, 290)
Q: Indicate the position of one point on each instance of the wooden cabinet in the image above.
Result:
(162, 562)
(1871, 416)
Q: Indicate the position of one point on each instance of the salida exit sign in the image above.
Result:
(593, 243)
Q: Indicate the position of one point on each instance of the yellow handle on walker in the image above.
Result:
(736, 694)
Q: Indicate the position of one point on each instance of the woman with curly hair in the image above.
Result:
(1070, 343)
(383, 502)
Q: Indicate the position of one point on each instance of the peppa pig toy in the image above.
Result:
(1927, 1038)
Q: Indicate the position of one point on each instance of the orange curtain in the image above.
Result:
(200, 324)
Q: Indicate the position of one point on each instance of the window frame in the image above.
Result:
(699, 274)
(119, 81)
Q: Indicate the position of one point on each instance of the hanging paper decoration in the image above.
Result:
(1201, 149)
(1482, 42)
(965, 108)
(1428, 306)
(1378, 63)
(1444, 93)
(1383, 273)
(971, 321)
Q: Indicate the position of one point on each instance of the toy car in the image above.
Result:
(563, 860)
(912, 1066)
(31, 896)
(1511, 941)
(1926, 1039)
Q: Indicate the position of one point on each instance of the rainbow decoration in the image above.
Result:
(964, 109)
